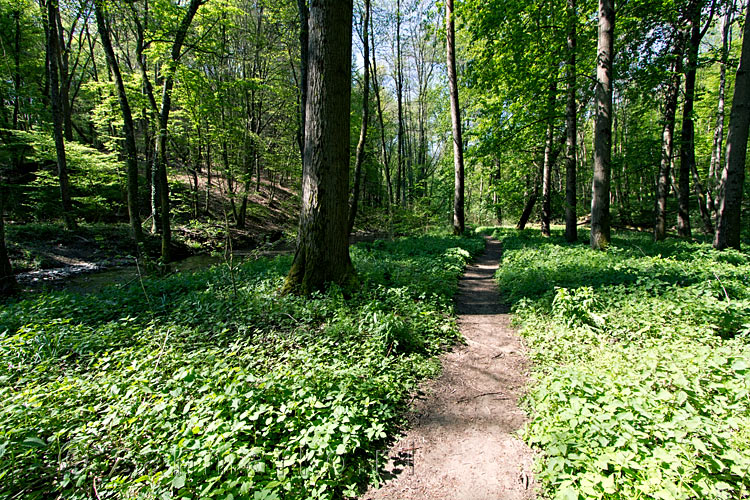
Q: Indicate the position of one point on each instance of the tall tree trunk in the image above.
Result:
(728, 226)
(322, 254)
(17, 70)
(400, 195)
(547, 165)
(131, 152)
(713, 172)
(304, 35)
(360, 156)
(7, 279)
(385, 157)
(160, 153)
(687, 135)
(667, 146)
(458, 145)
(571, 214)
(600, 220)
(57, 115)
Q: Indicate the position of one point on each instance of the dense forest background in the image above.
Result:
(214, 94)
(134, 133)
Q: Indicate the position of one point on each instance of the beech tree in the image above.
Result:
(322, 254)
(56, 103)
(728, 226)
(360, 155)
(458, 146)
(600, 223)
(670, 109)
(131, 152)
(571, 217)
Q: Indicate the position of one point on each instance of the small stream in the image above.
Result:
(92, 277)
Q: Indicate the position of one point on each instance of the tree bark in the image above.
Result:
(360, 156)
(322, 254)
(600, 219)
(385, 156)
(400, 195)
(713, 172)
(687, 135)
(17, 69)
(667, 146)
(7, 278)
(571, 214)
(160, 153)
(131, 152)
(728, 226)
(458, 151)
(547, 165)
(304, 36)
(57, 115)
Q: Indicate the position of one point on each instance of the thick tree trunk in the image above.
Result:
(728, 226)
(131, 152)
(687, 135)
(547, 165)
(322, 254)
(7, 279)
(360, 156)
(571, 214)
(667, 146)
(600, 223)
(57, 115)
(458, 145)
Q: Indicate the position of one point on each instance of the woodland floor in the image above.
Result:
(461, 444)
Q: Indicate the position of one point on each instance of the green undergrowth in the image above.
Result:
(641, 365)
(192, 387)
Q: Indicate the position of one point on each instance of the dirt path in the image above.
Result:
(461, 444)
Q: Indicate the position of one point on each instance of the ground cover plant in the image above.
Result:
(211, 385)
(641, 365)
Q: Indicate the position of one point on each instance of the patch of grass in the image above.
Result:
(641, 365)
(187, 388)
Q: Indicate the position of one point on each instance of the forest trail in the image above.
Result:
(461, 444)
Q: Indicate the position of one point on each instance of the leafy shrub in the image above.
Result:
(641, 365)
(187, 389)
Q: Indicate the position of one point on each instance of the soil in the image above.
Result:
(462, 442)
